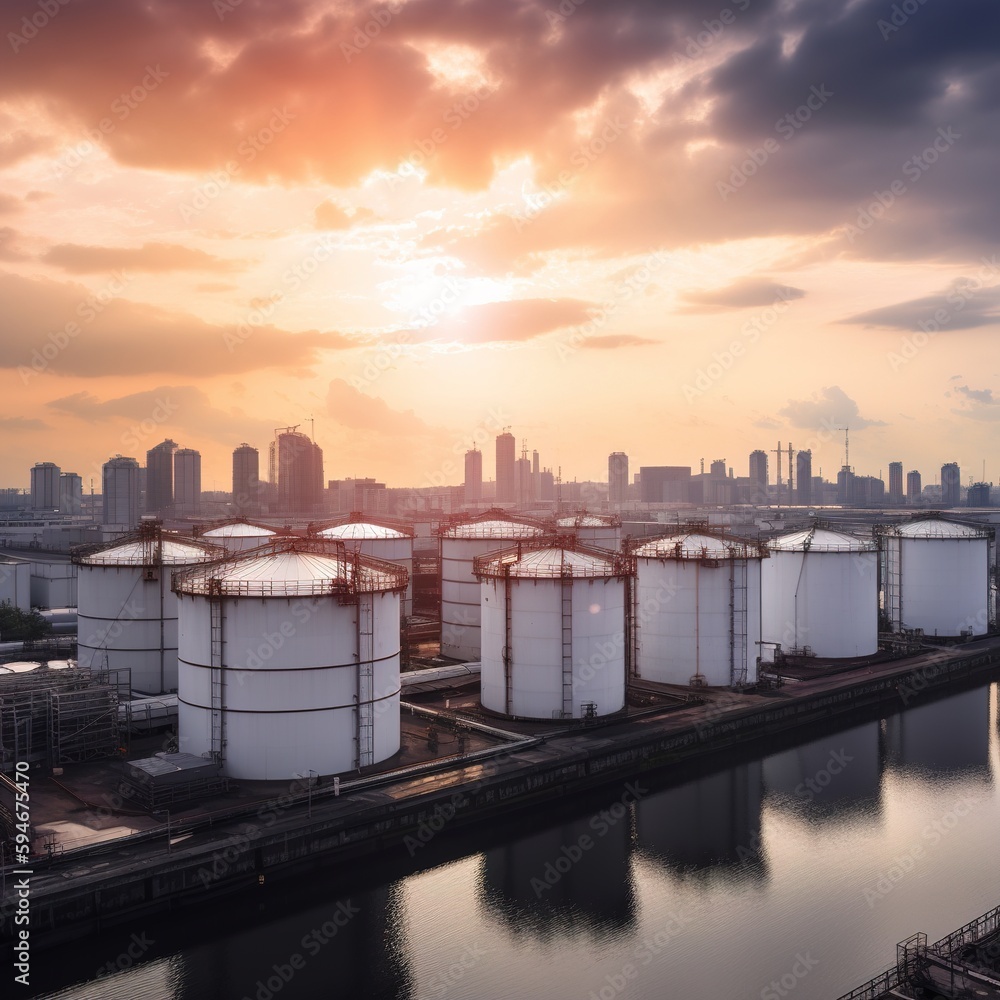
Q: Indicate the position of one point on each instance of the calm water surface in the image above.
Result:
(790, 873)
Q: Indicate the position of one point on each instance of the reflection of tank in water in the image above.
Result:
(839, 774)
(947, 736)
(572, 875)
(709, 823)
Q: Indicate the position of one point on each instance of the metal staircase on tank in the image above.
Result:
(567, 642)
(366, 681)
(738, 622)
(217, 679)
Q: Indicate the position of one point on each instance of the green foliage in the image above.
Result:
(17, 624)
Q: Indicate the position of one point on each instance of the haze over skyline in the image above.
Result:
(683, 234)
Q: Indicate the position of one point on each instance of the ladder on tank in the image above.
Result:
(366, 681)
(217, 680)
(567, 643)
(738, 622)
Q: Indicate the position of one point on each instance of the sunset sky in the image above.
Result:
(682, 230)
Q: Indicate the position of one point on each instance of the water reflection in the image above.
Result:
(710, 824)
(946, 737)
(569, 876)
(837, 777)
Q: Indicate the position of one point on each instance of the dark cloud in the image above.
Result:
(965, 305)
(67, 329)
(828, 409)
(978, 395)
(741, 295)
(15, 425)
(498, 322)
(75, 258)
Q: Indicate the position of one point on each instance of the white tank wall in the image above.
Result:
(238, 543)
(120, 612)
(684, 623)
(395, 550)
(15, 585)
(604, 536)
(536, 646)
(943, 584)
(460, 594)
(825, 600)
(281, 721)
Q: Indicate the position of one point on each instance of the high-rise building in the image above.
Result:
(979, 495)
(299, 462)
(618, 477)
(473, 475)
(664, 483)
(758, 476)
(536, 476)
(45, 485)
(895, 482)
(951, 484)
(70, 493)
(803, 477)
(524, 492)
(506, 455)
(187, 481)
(246, 479)
(845, 485)
(160, 477)
(120, 490)
(913, 487)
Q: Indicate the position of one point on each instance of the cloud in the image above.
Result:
(357, 410)
(8, 251)
(17, 424)
(331, 216)
(506, 322)
(976, 404)
(150, 257)
(979, 395)
(68, 329)
(613, 341)
(9, 205)
(964, 305)
(829, 409)
(742, 294)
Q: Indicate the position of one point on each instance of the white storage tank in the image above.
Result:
(15, 584)
(697, 610)
(461, 542)
(238, 534)
(289, 660)
(600, 531)
(819, 594)
(127, 613)
(937, 576)
(393, 542)
(553, 630)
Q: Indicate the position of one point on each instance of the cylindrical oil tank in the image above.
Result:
(819, 594)
(127, 613)
(461, 542)
(61, 664)
(599, 531)
(553, 630)
(393, 543)
(238, 535)
(936, 576)
(697, 610)
(289, 660)
(22, 666)
(15, 584)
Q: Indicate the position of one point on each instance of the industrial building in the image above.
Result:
(289, 660)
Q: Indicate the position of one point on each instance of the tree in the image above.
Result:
(17, 624)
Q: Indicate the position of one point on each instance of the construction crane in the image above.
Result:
(779, 452)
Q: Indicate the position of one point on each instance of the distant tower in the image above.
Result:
(160, 477)
(758, 476)
(299, 462)
(506, 483)
(951, 484)
(70, 493)
(913, 487)
(45, 485)
(187, 481)
(618, 477)
(473, 475)
(803, 477)
(120, 490)
(523, 485)
(246, 479)
(896, 482)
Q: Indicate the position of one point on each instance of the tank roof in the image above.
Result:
(144, 549)
(494, 523)
(291, 567)
(816, 539)
(585, 520)
(363, 530)
(239, 529)
(938, 528)
(551, 560)
(698, 545)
